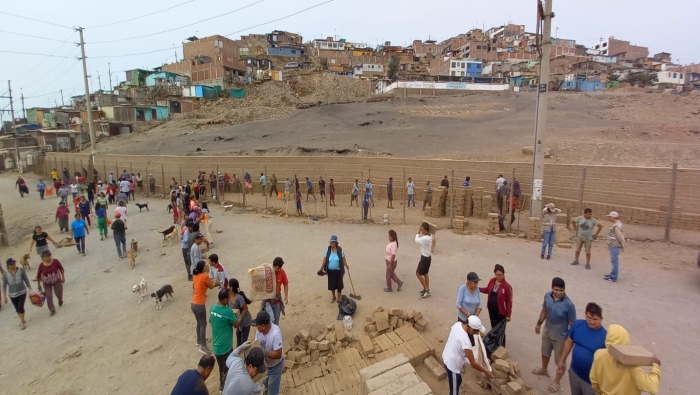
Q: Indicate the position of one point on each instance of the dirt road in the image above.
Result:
(102, 341)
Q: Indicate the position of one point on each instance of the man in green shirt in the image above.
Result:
(223, 320)
(584, 225)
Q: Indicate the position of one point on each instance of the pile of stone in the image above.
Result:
(308, 348)
(383, 321)
(506, 376)
(534, 230)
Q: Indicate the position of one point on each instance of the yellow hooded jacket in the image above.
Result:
(609, 377)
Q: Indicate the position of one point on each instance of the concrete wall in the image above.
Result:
(639, 194)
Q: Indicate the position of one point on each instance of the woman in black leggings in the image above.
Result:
(15, 280)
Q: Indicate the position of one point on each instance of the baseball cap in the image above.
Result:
(198, 236)
(475, 323)
(256, 357)
(473, 277)
(614, 214)
(334, 238)
(10, 261)
(550, 205)
(262, 318)
(117, 215)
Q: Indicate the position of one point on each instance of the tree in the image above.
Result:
(394, 64)
(642, 78)
(613, 77)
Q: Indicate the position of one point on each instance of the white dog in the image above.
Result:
(141, 288)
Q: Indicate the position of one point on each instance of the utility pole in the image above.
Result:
(24, 113)
(175, 48)
(62, 102)
(91, 163)
(109, 70)
(546, 16)
(14, 129)
(99, 81)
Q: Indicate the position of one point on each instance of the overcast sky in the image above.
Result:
(666, 27)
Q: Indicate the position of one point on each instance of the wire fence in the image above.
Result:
(653, 203)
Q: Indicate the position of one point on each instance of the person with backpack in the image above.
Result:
(334, 265)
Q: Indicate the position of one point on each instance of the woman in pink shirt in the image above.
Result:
(390, 259)
(51, 275)
(132, 188)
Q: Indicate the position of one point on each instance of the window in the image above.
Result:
(674, 75)
(681, 76)
(605, 45)
(294, 51)
(597, 46)
(454, 64)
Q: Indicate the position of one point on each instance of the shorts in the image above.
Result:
(323, 192)
(424, 265)
(580, 243)
(390, 196)
(549, 345)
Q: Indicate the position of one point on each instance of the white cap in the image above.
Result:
(614, 214)
(475, 323)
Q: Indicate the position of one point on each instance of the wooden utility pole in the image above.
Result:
(88, 108)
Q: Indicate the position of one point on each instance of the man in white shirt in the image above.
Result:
(124, 188)
(410, 191)
(270, 338)
(499, 181)
(462, 346)
(425, 240)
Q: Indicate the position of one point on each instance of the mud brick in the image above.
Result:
(320, 337)
(289, 364)
(504, 389)
(406, 333)
(317, 387)
(330, 327)
(387, 378)
(410, 314)
(307, 388)
(394, 338)
(421, 349)
(381, 318)
(315, 354)
(382, 367)
(499, 374)
(309, 373)
(366, 345)
(404, 315)
(369, 318)
(564, 245)
(501, 365)
(393, 320)
(402, 349)
(500, 353)
(399, 323)
(371, 328)
(247, 350)
(336, 347)
(514, 388)
(327, 384)
(304, 335)
(384, 343)
(496, 382)
(400, 386)
(516, 367)
(379, 309)
(422, 322)
(418, 315)
(324, 345)
(348, 335)
(291, 355)
(302, 347)
(313, 345)
(418, 327)
(373, 334)
(304, 359)
(631, 355)
(435, 368)
(330, 337)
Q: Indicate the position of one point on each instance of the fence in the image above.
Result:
(654, 203)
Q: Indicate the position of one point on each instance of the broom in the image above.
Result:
(353, 294)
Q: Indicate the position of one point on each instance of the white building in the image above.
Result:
(670, 77)
(368, 69)
(326, 44)
(465, 68)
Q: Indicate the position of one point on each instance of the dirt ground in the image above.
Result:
(622, 127)
(102, 341)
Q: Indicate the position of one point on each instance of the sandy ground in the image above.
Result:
(614, 127)
(102, 342)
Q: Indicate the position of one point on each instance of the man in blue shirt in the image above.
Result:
(466, 181)
(365, 203)
(585, 337)
(191, 382)
(368, 187)
(559, 312)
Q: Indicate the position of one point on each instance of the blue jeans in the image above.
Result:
(614, 260)
(548, 238)
(411, 198)
(120, 241)
(80, 243)
(274, 379)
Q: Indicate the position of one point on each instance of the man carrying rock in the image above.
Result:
(241, 372)
(584, 225)
(463, 345)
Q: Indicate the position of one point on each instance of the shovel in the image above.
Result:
(353, 294)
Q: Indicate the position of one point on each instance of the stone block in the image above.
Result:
(394, 338)
(435, 368)
(320, 337)
(291, 355)
(407, 332)
(304, 359)
(516, 367)
(417, 316)
(514, 388)
(399, 323)
(399, 386)
(371, 328)
(304, 335)
(313, 345)
(393, 320)
(499, 374)
(501, 365)
(387, 378)
(366, 345)
(324, 345)
(289, 364)
(631, 355)
(410, 314)
(382, 367)
(394, 311)
(500, 353)
(381, 318)
(420, 389)
(315, 354)
(422, 322)
(348, 335)
(330, 337)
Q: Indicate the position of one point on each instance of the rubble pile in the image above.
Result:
(506, 376)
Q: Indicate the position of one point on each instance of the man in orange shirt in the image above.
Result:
(275, 307)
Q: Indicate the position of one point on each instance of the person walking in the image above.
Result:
(365, 203)
(205, 223)
(503, 193)
(238, 300)
(559, 313)
(121, 209)
(390, 260)
(223, 320)
(425, 240)
(585, 338)
(62, 214)
(369, 187)
(15, 281)
(263, 183)
(298, 200)
(124, 188)
(78, 229)
(200, 283)
(549, 228)
(334, 265)
(287, 188)
(275, 306)
(428, 199)
(41, 188)
(186, 249)
(40, 238)
(500, 298)
(151, 184)
(111, 193)
(51, 274)
(584, 225)
(609, 377)
(242, 371)
(54, 174)
(101, 214)
(273, 185)
(21, 185)
(390, 193)
(119, 234)
(132, 189)
(464, 345)
(354, 192)
(85, 210)
(191, 382)
(616, 245)
(331, 191)
(309, 189)
(270, 338)
(469, 298)
(410, 191)
(322, 187)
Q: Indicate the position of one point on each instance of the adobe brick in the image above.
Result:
(384, 366)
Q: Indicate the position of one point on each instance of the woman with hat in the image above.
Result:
(51, 274)
(464, 344)
(334, 264)
(15, 278)
(469, 298)
(39, 237)
(549, 228)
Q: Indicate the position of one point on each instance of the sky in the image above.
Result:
(136, 27)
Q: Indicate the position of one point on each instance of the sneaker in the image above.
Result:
(541, 256)
(548, 256)
(423, 294)
(388, 290)
(605, 277)
(53, 313)
(205, 350)
(399, 288)
(610, 280)
(60, 303)
(588, 266)
(428, 292)
(574, 263)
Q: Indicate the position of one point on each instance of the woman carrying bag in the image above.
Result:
(334, 265)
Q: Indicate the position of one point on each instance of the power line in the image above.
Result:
(31, 36)
(139, 17)
(45, 59)
(177, 28)
(133, 54)
(33, 53)
(35, 20)
(47, 74)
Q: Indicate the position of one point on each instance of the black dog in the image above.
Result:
(168, 231)
(165, 290)
(170, 208)
(142, 206)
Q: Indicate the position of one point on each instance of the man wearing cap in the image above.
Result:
(241, 372)
(616, 245)
(119, 233)
(464, 344)
(191, 382)
(270, 338)
(560, 313)
(195, 251)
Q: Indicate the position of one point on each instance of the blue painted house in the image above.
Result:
(202, 91)
(160, 112)
(285, 51)
(165, 78)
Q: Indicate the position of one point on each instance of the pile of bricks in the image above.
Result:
(383, 321)
(534, 230)
(308, 348)
(438, 206)
(492, 226)
(393, 376)
(506, 376)
(460, 224)
(477, 202)
(486, 203)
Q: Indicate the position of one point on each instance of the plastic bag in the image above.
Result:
(346, 306)
(37, 298)
(262, 282)
(495, 338)
(279, 195)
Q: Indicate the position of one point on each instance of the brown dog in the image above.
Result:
(132, 257)
(25, 262)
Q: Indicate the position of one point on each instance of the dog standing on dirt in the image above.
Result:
(170, 208)
(134, 245)
(142, 206)
(24, 260)
(132, 258)
(165, 290)
(141, 288)
(170, 234)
